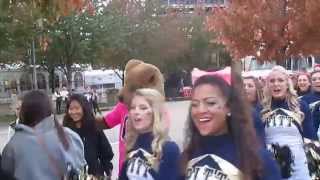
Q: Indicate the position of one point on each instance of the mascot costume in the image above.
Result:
(137, 75)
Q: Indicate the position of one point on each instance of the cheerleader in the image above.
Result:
(287, 120)
(220, 138)
(150, 154)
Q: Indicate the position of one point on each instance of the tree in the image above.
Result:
(59, 42)
(138, 30)
(151, 32)
(69, 41)
(21, 22)
(269, 30)
(51, 10)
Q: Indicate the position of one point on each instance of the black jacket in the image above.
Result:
(98, 152)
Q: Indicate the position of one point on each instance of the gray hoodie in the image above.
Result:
(27, 159)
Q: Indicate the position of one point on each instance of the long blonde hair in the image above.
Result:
(291, 97)
(159, 128)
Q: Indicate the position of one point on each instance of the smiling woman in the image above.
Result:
(98, 152)
(220, 139)
(303, 84)
(209, 110)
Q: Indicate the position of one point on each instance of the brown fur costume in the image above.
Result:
(140, 75)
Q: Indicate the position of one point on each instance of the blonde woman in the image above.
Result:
(286, 120)
(150, 154)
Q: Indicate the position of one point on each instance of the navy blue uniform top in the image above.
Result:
(300, 93)
(316, 116)
(313, 100)
(307, 126)
(311, 97)
(258, 123)
(217, 159)
(137, 166)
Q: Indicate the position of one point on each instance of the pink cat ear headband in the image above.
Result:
(224, 73)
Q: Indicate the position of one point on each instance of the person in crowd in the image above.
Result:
(95, 102)
(287, 121)
(303, 84)
(40, 147)
(254, 93)
(314, 96)
(316, 67)
(16, 106)
(57, 98)
(150, 153)
(220, 138)
(64, 95)
(98, 151)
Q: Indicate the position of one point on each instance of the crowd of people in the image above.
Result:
(60, 99)
(237, 129)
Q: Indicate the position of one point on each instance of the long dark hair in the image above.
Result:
(35, 107)
(239, 124)
(87, 121)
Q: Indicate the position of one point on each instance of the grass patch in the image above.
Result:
(7, 118)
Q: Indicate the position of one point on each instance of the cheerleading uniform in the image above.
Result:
(217, 158)
(138, 163)
(282, 128)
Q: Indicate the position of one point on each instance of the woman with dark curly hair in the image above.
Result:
(98, 152)
(220, 139)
